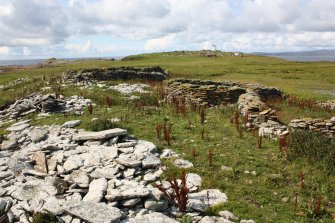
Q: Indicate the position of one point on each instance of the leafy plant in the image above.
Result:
(178, 194)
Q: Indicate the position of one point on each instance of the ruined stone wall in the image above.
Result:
(123, 73)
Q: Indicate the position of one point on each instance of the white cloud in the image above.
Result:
(84, 48)
(32, 23)
(160, 43)
(5, 50)
(244, 25)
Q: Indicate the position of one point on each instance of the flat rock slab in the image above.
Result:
(18, 128)
(184, 164)
(37, 135)
(106, 134)
(95, 212)
(206, 198)
(127, 193)
(96, 191)
(154, 217)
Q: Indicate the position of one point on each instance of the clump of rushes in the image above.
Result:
(302, 180)
(158, 131)
(202, 115)
(90, 108)
(259, 141)
(210, 157)
(203, 133)
(245, 119)
(166, 132)
(194, 154)
(183, 106)
(109, 101)
(283, 145)
(178, 194)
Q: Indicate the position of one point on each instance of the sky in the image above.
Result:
(107, 28)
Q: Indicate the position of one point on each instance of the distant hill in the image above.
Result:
(313, 55)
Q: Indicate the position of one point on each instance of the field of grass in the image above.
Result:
(272, 193)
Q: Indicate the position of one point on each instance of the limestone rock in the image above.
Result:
(106, 134)
(71, 124)
(79, 177)
(41, 162)
(9, 144)
(151, 161)
(96, 190)
(180, 163)
(153, 218)
(37, 135)
(127, 193)
(95, 212)
(200, 201)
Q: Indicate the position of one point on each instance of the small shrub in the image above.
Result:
(104, 124)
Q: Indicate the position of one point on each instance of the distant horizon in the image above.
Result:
(118, 57)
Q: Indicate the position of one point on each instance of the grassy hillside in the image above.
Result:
(303, 79)
(261, 185)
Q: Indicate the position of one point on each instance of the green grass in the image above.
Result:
(256, 197)
(303, 79)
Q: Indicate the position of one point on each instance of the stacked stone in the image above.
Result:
(92, 176)
(324, 126)
(123, 73)
(48, 104)
(328, 104)
(213, 93)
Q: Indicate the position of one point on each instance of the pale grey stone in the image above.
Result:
(96, 190)
(106, 134)
(228, 215)
(214, 219)
(79, 177)
(180, 163)
(18, 128)
(73, 163)
(95, 212)
(193, 180)
(9, 144)
(154, 217)
(126, 193)
(206, 198)
(130, 202)
(71, 124)
(37, 135)
(128, 161)
(151, 161)
(154, 205)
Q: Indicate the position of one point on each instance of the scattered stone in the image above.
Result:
(228, 215)
(206, 198)
(226, 168)
(71, 124)
(180, 163)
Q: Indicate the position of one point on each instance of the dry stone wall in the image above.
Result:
(123, 73)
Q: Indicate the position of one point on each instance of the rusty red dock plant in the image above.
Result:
(178, 194)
